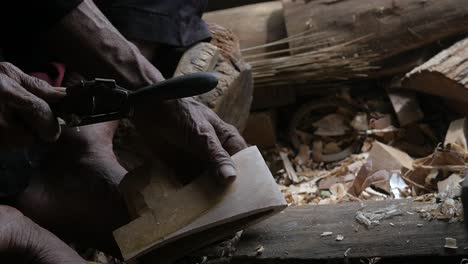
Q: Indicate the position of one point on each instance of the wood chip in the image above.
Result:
(450, 243)
(325, 234)
(259, 250)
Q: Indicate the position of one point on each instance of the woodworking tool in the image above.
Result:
(92, 102)
(103, 100)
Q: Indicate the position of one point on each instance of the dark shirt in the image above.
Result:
(174, 23)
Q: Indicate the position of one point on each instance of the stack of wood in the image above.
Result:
(298, 47)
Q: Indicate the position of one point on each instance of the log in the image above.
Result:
(445, 75)
(294, 235)
(348, 40)
(255, 25)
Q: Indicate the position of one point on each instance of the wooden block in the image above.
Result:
(261, 129)
(406, 107)
(167, 215)
(294, 235)
(458, 133)
(384, 157)
(445, 75)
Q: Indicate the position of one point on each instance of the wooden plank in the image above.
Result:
(295, 234)
(444, 75)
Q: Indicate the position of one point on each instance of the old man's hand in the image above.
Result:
(24, 109)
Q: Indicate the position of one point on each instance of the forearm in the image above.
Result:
(87, 42)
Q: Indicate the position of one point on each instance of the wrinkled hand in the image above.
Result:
(76, 194)
(23, 241)
(24, 109)
(186, 133)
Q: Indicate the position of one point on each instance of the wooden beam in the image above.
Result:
(295, 234)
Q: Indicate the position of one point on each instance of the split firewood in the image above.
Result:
(445, 75)
(458, 133)
(406, 107)
(382, 160)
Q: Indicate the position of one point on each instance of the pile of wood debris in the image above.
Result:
(356, 149)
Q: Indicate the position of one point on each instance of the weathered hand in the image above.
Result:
(185, 132)
(24, 112)
(23, 241)
(75, 195)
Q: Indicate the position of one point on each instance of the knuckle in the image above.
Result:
(5, 65)
(8, 213)
(8, 69)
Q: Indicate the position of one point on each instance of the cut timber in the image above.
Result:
(444, 75)
(458, 133)
(294, 235)
(255, 25)
(346, 40)
(261, 129)
(406, 106)
(167, 216)
(381, 158)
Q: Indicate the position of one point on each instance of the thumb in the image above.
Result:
(213, 151)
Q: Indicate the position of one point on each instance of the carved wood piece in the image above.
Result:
(165, 212)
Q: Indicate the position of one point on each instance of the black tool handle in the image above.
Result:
(177, 87)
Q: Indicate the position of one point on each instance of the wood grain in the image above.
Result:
(166, 213)
(295, 235)
(445, 75)
(255, 25)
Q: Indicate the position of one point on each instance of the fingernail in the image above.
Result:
(228, 173)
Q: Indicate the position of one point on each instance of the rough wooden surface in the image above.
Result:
(406, 107)
(294, 235)
(395, 25)
(164, 212)
(255, 25)
(444, 75)
(232, 98)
